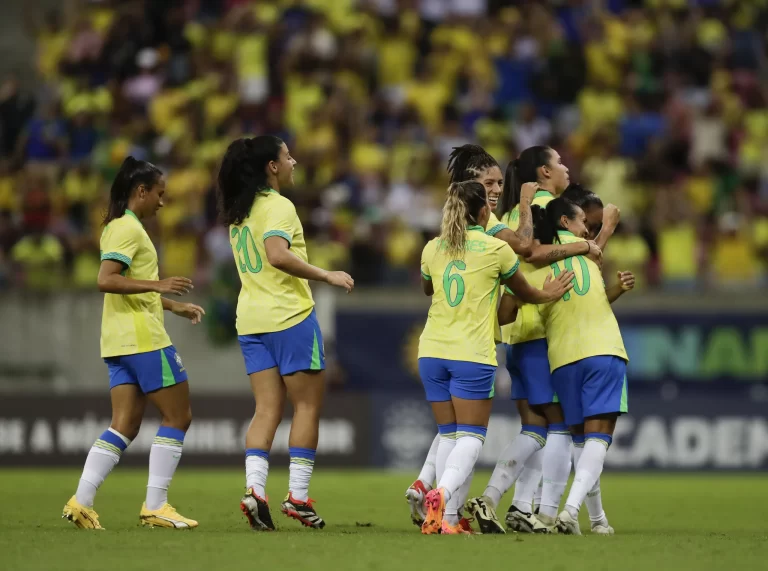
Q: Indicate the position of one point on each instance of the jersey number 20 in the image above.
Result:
(244, 238)
(577, 289)
(449, 279)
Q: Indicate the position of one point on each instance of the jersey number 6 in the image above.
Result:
(449, 278)
(577, 289)
(244, 238)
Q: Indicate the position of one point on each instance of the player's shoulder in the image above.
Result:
(431, 246)
(125, 225)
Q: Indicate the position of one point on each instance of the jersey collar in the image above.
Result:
(270, 190)
(543, 194)
(131, 213)
(480, 228)
(566, 233)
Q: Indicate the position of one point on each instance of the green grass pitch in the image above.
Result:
(680, 522)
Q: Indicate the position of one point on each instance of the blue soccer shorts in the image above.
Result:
(298, 348)
(150, 371)
(443, 379)
(591, 386)
(528, 366)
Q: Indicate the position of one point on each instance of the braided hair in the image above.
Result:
(467, 162)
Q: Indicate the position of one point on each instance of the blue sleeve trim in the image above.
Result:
(426, 277)
(116, 256)
(496, 229)
(511, 272)
(280, 233)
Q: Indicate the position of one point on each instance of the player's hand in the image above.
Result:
(627, 280)
(341, 279)
(189, 311)
(175, 286)
(595, 253)
(527, 190)
(611, 215)
(556, 288)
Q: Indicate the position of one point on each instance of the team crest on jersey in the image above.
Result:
(178, 361)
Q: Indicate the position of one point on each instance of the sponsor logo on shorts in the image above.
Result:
(177, 357)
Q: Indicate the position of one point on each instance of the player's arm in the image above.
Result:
(426, 275)
(280, 257)
(111, 280)
(508, 308)
(545, 254)
(626, 282)
(526, 293)
(611, 217)
(521, 240)
(186, 310)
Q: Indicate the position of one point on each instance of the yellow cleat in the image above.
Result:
(81, 516)
(166, 516)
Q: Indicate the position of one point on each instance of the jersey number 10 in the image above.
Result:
(244, 238)
(577, 289)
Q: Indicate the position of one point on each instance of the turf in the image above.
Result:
(679, 522)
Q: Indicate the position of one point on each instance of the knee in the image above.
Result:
(180, 420)
(306, 410)
(127, 426)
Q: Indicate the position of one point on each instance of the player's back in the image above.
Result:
(581, 324)
(460, 325)
(270, 300)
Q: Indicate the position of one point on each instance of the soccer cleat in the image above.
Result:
(522, 522)
(256, 511)
(466, 525)
(302, 511)
(415, 498)
(435, 504)
(165, 516)
(485, 514)
(602, 527)
(448, 529)
(81, 516)
(567, 524)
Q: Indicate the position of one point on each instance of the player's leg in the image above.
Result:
(128, 404)
(471, 394)
(604, 398)
(416, 492)
(269, 393)
(526, 487)
(556, 463)
(594, 501)
(169, 392)
(436, 380)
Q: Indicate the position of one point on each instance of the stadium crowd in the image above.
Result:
(659, 106)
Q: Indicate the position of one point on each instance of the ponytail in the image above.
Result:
(467, 162)
(546, 221)
(524, 168)
(132, 174)
(462, 207)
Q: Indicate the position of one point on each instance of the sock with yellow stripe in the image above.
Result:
(164, 457)
(556, 466)
(594, 498)
(512, 461)
(588, 469)
(300, 471)
(103, 456)
(461, 461)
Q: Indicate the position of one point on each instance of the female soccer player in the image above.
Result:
(143, 364)
(588, 361)
(540, 415)
(278, 331)
(457, 353)
(601, 221)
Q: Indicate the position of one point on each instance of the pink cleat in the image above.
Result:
(458, 529)
(435, 504)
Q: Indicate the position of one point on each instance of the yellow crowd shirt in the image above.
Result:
(270, 300)
(528, 326)
(131, 323)
(581, 324)
(460, 325)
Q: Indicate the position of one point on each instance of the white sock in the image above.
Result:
(528, 482)
(539, 490)
(428, 471)
(462, 458)
(588, 470)
(164, 457)
(594, 499)
(257, 470)
(556, 465)
(456, 503)
(512, 461)
(103, 456)
(445, 446)
(300, 471)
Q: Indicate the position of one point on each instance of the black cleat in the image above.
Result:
(302, 511)
(256, 511)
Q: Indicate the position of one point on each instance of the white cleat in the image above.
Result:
(522, 522)
(415, 495)
(567, 525)
(602, 527)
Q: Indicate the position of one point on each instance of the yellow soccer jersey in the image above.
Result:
(581, 324)
(460, 324)
(131, 323)
(270, 300)
(494, 226)
(528, 325)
